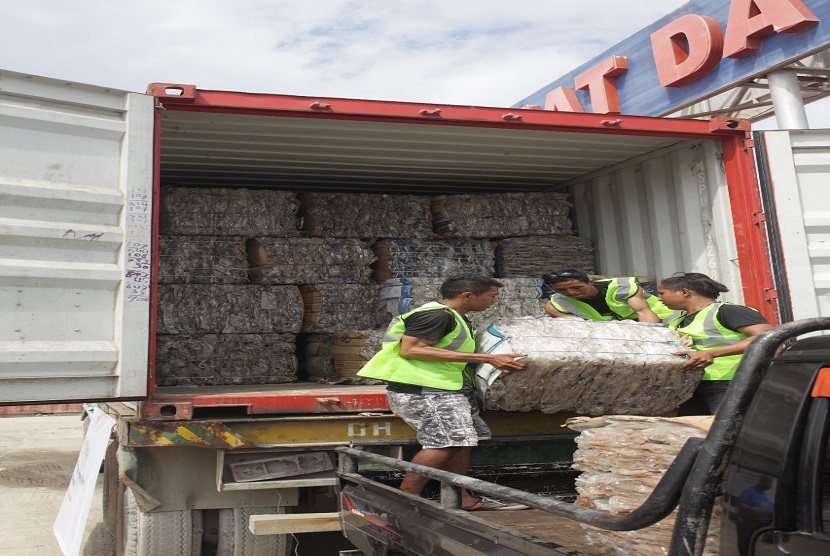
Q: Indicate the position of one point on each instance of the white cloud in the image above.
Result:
(475, 52)
(461, 51)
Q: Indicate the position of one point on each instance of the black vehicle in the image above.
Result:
(773, 425)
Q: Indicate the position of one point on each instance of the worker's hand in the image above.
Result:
(506, 362)
(698, 360)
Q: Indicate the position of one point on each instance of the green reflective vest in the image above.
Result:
(388, 364)
(619, 291)
(708, 333)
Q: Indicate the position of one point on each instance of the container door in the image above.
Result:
(76, 177)
(794, 171)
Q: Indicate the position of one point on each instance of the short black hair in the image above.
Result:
(565, 274)
(456, 285)
(697, 282)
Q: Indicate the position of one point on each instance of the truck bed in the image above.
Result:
(542, 525)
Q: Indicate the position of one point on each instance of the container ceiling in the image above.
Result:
(209, 149)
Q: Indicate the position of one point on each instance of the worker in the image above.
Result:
(577, 295)
(424, 362)
(720, 333)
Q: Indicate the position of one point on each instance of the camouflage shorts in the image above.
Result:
(441, 420)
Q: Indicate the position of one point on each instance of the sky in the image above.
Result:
(467, 52)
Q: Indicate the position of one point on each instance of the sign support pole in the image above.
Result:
(787, 100)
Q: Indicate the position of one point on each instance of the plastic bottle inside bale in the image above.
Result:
(588, 368)
(621, 458)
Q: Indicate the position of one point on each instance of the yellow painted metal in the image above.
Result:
(320, 430)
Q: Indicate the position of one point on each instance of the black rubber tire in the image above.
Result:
(236, 539)
(176, 533)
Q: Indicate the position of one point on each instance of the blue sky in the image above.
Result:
(472, 52)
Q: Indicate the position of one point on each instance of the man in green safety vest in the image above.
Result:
(577, 295)
(424, 361)
(720, 333)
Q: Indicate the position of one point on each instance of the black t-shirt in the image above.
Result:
(428, 325)
(732, 317)
(598, 303)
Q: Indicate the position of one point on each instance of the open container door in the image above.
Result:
(76, 177)
(794, 171)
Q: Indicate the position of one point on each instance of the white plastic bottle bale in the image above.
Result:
(588, 368)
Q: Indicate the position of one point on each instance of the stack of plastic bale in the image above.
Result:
(310, 260)
(536, 255)
(228, 334)
(584, 367)
(336, 357)
(621, 459)
(338, 309)
(431, 258)
(519, 296)
(501, 215)
(366, 215)
(214, 327)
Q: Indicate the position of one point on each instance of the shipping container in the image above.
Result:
(81, 177)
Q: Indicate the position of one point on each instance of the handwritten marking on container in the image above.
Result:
(137, 269)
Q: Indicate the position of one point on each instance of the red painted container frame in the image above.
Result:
(733, 134)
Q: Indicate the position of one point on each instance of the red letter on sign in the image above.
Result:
(603, 89)
(686, 48)
(563, 99)
(750, 20)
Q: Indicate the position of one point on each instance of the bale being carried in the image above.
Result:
(584, 367)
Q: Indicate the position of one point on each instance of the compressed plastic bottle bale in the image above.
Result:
(366, 215)
(584, 367)
(431, 258)
(336, 357)
(401, 295)
(225, 359)
(339, 307)
(621, 459)
(535, 255)
(228, 211)
(212, 309)
(518, 297)
(501, 215)
(310, 261)
(202, 260)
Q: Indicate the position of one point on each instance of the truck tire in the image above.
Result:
(236, 539)
(159, 533)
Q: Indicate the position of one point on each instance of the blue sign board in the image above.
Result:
(639, 88)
